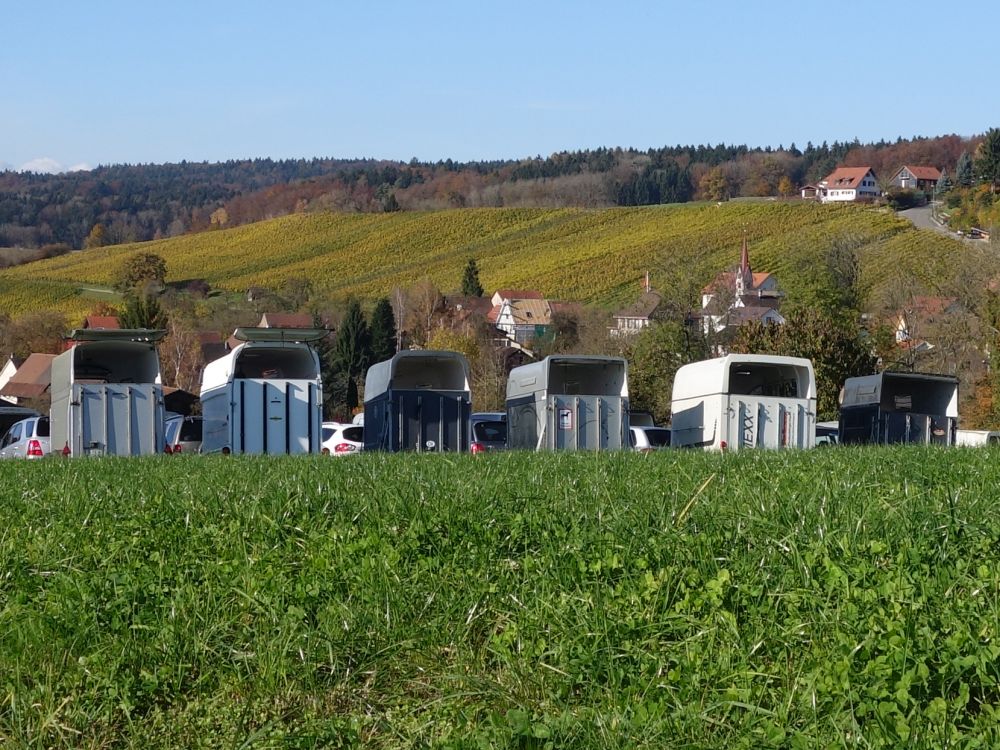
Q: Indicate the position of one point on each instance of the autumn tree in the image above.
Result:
(470, 280)
(785, 187)
(145, 272)
(180, 356)
(42, 332)
(97, 237)
(296, 292)
(714, 186)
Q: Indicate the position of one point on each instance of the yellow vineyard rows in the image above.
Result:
(594, 256)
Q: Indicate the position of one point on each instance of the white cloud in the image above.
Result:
(48, 165)
(44, 165)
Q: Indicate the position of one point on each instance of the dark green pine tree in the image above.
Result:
(352, 347)
(334, 397)
(470, 280)
(988, 163)
(142, 311)
(383, 331)
(350, 357)
(963, 170)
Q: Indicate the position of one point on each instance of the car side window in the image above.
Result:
(6, 439)
(15, 434)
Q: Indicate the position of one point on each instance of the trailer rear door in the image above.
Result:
(761, 422)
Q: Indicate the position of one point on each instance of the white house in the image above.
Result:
(6, 373)
(849, 184)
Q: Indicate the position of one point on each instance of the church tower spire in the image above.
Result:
(744, 275)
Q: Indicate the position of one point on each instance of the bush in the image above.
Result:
(904, 198)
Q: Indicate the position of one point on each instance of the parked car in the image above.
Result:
(489, 432)
(183, 434)
(28, 438)
(827, 433)
(645, 439)
(342, 439)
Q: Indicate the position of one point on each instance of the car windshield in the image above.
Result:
(658, 437)
(490, 432)
(355, 434)
(42, 428)
(191, 429)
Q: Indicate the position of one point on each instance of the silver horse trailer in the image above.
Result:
(266, 395)
(569, 403)
(899, 407)
(418, 401)
(744, 401)
(107, 397)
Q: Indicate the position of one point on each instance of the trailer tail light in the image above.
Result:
(343, 448)
(477, 448)
(66, 451)
(723, 444)
(167, 450)
(177, 448)
(34, 449)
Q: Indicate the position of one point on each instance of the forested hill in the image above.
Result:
(129, 203)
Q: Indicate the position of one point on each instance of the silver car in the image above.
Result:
(28, 438)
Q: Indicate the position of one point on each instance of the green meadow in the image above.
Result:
(829, 598)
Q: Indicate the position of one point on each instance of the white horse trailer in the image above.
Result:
(419, 401)
(899, 407)
(266, 395)
(744, 401)
(107, 397)
(569, 403)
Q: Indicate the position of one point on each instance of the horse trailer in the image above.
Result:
(744, 401)
(899, 407)
(107, 397)
(266, 395)
(418, 401)
(569, 403)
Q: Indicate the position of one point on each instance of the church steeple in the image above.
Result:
(744, 275)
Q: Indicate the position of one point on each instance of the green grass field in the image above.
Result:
(592, 256)
(830, 598)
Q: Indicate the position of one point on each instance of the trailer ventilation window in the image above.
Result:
(115, 362)
(587, 378)
(293, 363)
(752, 379)
(429, 373)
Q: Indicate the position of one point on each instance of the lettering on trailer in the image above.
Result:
(748, 428)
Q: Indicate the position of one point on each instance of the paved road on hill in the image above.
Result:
(921, 218)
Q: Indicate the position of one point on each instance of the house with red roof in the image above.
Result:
(848, 184)
(917, 178)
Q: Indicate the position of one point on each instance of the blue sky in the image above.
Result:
(137, 82)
